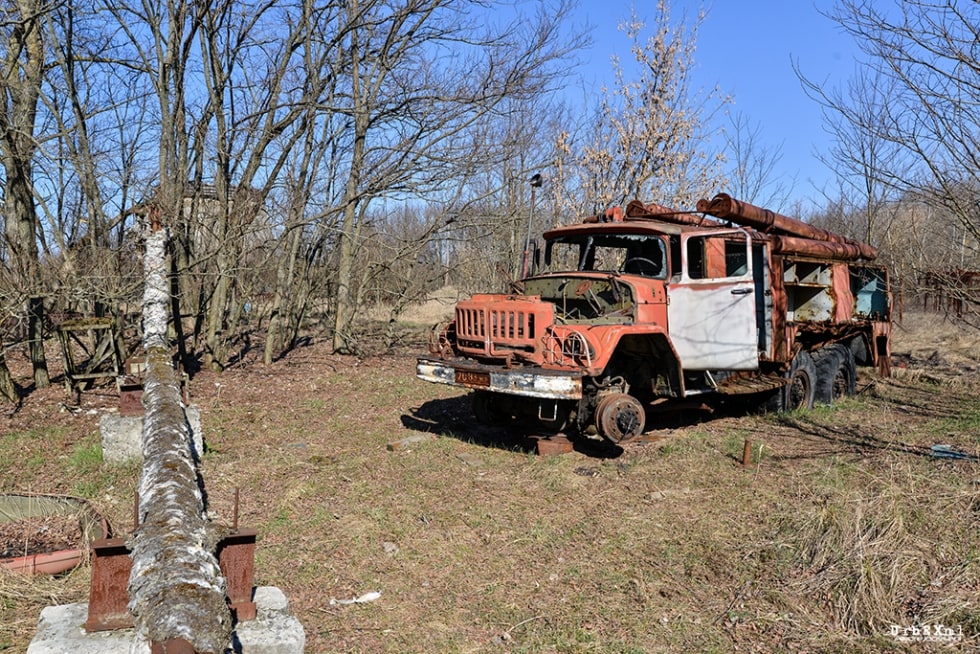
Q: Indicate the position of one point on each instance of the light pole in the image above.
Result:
(535, 183)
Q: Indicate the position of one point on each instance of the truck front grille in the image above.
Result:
(498, 327)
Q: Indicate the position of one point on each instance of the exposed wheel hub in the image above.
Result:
(620, 417)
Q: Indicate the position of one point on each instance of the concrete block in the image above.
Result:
(122, 435)
(273, 631)
(60, 630)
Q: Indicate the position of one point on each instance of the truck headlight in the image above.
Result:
(576, 346)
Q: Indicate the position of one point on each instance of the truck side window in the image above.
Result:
(736, 259)
(675, 256)
(695, 258)
(716, 257)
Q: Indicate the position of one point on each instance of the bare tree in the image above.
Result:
(412, 113)
(265, 135)
(21, 71)
(909, 125)
(648, 135)
(753, 173)
(255, 132)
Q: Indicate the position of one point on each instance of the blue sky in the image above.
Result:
(746, 48)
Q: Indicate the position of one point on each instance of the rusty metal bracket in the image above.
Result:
(173, 646)
(108, 604)
(236, 557)
(130, 385)
(108, 600)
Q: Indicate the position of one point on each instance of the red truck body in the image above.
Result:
(651, 308)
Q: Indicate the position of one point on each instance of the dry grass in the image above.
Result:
(22, 598)
(438, 307)
(842, 526)
(874, 545)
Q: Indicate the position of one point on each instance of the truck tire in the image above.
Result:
(836, 373)
(859, 351)
(801, 390)
(486, 408)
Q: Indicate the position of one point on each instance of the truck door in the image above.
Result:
(711, 309)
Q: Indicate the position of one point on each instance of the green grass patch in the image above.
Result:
(86, 458)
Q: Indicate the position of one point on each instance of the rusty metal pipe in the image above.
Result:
(812, 248)
(728, 208)
(638, 210)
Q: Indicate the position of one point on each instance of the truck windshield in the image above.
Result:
(631, 254)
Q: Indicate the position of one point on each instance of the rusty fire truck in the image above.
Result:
(651, 308)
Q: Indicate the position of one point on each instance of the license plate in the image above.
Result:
(469, 378)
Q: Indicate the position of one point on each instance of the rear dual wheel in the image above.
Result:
(836, 373)
(799, 391)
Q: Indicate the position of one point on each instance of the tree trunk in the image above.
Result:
(21, 72)
(280, 304)
(347, 246)
(36, 338)
(214, 350)
(343, 306)
(175, 310)
(8, 388)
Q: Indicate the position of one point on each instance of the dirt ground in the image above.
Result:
(847, 532)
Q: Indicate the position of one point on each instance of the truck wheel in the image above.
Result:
(801, 390)
(836, 373)
(486, 408)
(620, 417)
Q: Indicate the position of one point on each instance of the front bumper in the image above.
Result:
(550, 384)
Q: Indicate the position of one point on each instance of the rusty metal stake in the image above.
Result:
(747, 453)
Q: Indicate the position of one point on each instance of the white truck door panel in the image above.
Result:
(713, 326)
(711, 308)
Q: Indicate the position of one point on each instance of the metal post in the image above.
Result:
(535, 183)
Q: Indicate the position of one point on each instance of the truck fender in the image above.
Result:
(648, 361)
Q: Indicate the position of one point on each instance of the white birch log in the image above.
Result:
(176, 589)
